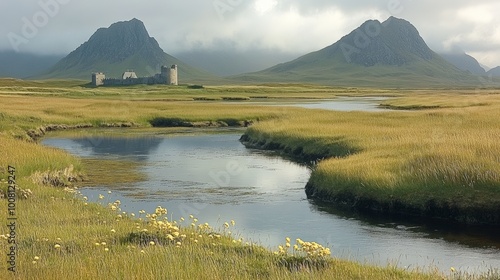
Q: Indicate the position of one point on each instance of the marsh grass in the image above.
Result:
(27, 112)
(29, 158)
(80, 90)
(63, 236)
(443, 156)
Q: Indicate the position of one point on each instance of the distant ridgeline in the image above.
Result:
(167, 76)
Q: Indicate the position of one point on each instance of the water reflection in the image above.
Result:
(217, 179)
(471, 236)
(137, 148)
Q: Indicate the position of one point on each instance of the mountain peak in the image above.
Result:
(392, 42)
(132, 32)
(133, 24)
(121, 46)
(390, 52)
(395, 20)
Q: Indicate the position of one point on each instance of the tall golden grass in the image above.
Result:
(63, 236)
(449, 155)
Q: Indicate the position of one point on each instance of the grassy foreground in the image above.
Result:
(62, 236)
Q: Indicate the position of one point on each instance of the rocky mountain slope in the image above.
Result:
(390, 53)
(122, 46)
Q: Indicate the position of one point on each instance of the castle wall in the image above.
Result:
(168, 75)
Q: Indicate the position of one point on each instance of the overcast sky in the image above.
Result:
(290, 26)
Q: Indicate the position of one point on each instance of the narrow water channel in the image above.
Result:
(217, 179)
(345, 104)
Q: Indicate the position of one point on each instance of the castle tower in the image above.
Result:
(98, 79)
(173, 76)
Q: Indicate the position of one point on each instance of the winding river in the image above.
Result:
(217, 179)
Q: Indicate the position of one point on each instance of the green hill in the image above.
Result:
(123, 46)
(388, 54)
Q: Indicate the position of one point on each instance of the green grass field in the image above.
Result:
(443, 152)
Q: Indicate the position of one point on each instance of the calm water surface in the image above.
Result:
(366, 104)
(346, 104)
(217, 179)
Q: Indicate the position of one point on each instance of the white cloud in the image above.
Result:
(265, 6)
(481, 14)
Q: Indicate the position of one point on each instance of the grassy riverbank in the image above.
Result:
(60, 235)
(441, 163)
(65, 237)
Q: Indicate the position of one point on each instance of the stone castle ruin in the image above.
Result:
(167, 76)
